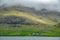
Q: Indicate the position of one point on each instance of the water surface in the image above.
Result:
(29, 38)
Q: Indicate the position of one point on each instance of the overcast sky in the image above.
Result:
(37, 4)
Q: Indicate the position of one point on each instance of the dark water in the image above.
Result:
(29, 38)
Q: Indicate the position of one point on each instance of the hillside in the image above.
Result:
(20, 20)
(30, 16)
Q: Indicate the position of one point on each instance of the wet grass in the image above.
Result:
(28, 30)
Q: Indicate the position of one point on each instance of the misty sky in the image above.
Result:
(37, 4)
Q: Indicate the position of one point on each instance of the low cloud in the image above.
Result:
(37, 4)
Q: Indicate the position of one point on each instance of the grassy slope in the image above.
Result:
(29, 30)
(41, 30)
(29, 16)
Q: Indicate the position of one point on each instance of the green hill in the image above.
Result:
(17, 20)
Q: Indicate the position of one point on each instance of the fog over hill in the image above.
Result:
(37, 4)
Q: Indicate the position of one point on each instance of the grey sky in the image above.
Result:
(38, 4)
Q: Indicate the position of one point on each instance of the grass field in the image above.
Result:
(28, 30)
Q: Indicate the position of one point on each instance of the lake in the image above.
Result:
(29, 38)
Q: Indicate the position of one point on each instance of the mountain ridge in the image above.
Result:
(42, 15)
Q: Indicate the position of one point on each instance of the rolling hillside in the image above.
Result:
(28, 16)
(20, 20)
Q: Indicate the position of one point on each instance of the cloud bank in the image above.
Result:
(37, 4)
